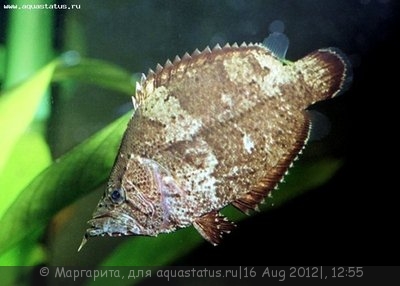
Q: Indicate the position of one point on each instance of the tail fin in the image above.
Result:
(326, 72)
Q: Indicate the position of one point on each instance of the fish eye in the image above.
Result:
(117, 196)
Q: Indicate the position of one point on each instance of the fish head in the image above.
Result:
(114, 216)
(139, 200)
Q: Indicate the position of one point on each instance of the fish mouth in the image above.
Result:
(100, 216)
(113, 224)
(97, 228)
(93, 231)
(109, 216)
(110, 224)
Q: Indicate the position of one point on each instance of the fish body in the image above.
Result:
(210, 129)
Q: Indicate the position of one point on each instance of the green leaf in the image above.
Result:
(95, 72)
(2, 62)
(67, 179)
(18, 107)
(19, 171)
(29, 41)
(161, 250)
(24, 254)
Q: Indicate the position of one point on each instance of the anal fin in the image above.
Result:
(212, 226)
(250, 200)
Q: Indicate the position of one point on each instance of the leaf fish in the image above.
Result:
(213, 128)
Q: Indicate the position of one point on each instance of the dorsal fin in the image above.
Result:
(176, 60)
(150, 73)
(206, 50)
(186, 56)
(196, 52)
(217, 47)
(161, 73)
(159, 68)
(168, 64)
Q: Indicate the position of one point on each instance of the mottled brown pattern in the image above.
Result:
(214, 128)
